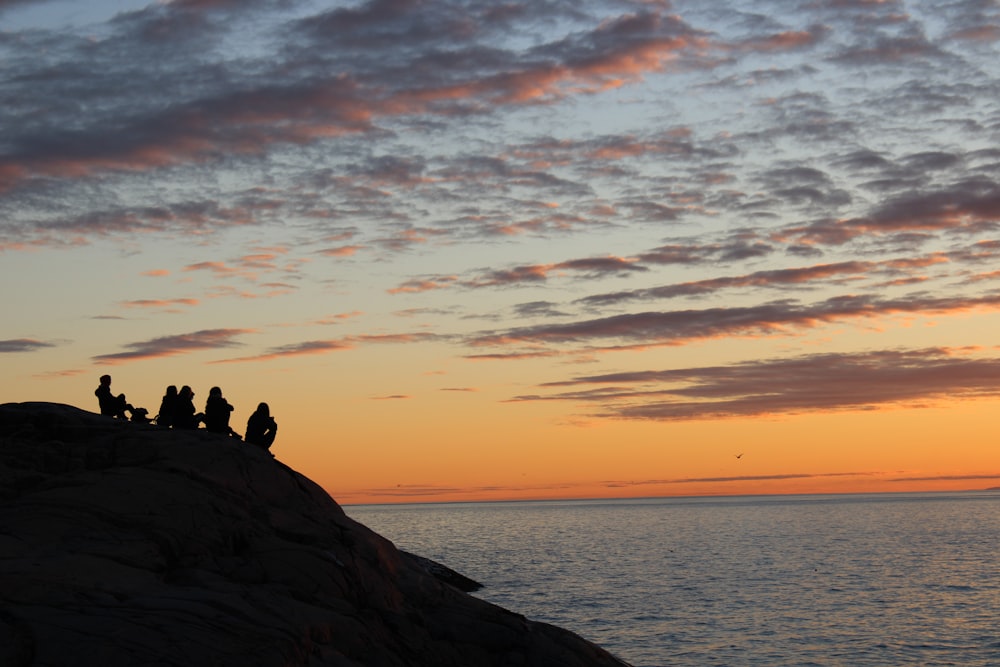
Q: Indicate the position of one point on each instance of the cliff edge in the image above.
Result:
(123, 544)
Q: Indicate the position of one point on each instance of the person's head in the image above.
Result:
(186, 392)
(172, 390)
(264, 409)
(105, 379)
(215, 391)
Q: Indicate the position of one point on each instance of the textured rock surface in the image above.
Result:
(128, 545)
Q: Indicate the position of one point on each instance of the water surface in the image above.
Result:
(887, 579)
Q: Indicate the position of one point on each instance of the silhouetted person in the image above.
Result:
(140, 416)
(184, 412)
(111, 405)
(261, 428)
(217, 411)
(168, 407)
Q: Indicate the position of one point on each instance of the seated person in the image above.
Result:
(168, 406)
(261, 428)
(217, 411)
(111, 405)
(184, 416)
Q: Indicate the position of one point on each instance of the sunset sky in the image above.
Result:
(528, 249)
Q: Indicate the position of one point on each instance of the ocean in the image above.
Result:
(824, 580)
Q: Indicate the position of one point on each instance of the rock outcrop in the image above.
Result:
(123, 544)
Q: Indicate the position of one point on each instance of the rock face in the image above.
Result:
(123, 544)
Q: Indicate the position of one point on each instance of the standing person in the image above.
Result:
(168, 407)
(184, 414)
(111, 405)
(217, 411)
(261, 428)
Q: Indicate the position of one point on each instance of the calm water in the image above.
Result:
(892, 579)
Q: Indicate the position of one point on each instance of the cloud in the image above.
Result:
(947, 478)
(252, 267)
(317, 347)
(342, 251)
(168, 346)
(590, 267)
(819, 275)
(739, 478)
(616, 52)
(698, 253)
(95, 221)
(969, 205)
(985, 33)
(15, 345)
(404, 239)
(678, 327)
(538, 309)
(338, 318)
(572, 488)
(351, 95)
(395, 338)
(758, 279)
(236, 122)
(158, 303)
(305, 348)
(60, 374)
(794, 385)
(788, 40)
(219, 269)
(889, 49)
(247, 121)
(10, 4)
(417, 285)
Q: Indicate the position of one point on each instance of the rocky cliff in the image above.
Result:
(123, 544)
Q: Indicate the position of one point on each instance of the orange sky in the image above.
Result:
(471, 252)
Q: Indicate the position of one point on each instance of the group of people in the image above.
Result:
(177, 411)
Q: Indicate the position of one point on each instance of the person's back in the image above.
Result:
(217, 411)
(261, 427)
(184, 413)
(168, 407)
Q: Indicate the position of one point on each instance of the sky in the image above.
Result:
(477, 250)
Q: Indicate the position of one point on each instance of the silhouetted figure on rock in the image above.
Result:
(111, 405)
(217, 411)
(261, 428)
(168, 407)
(184, 412)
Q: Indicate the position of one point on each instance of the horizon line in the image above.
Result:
(772, 494)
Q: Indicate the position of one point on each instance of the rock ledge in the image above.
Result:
(129, 545)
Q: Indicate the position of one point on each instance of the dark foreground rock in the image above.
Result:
(128, 545)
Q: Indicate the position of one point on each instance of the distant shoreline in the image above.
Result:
(681, 498)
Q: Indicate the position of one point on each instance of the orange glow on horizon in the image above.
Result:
(602, 492)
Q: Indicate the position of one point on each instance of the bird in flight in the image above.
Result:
(740, 455)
